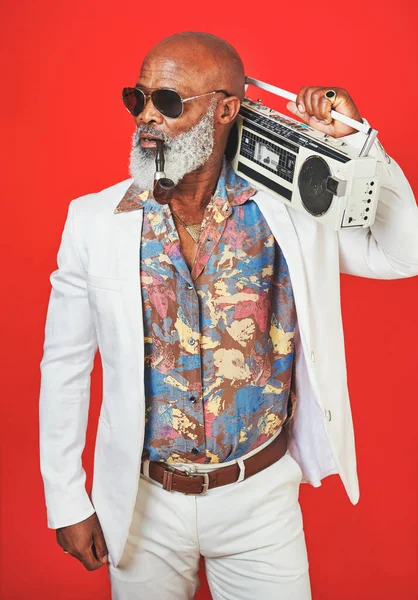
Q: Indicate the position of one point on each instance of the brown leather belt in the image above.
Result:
(199, 483)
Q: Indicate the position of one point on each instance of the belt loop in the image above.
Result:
(168, 480)
(241, 465)
(145, 468)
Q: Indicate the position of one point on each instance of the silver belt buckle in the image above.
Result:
(205, 485)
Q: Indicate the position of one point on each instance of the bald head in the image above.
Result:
(209, 61)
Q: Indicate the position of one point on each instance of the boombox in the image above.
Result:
(301, 166)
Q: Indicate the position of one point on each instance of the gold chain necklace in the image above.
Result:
(193, 229)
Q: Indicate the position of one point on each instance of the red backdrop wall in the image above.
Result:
(66, 133)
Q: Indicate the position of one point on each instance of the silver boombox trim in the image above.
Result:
(308, 170)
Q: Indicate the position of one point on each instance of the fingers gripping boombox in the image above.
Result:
(308, 170)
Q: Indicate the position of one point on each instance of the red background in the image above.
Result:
(67, 133)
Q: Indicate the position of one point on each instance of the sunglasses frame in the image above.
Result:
(183, 100)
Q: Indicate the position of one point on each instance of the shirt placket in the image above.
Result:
(213, 227)
(189, 408)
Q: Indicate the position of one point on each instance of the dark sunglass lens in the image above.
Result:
(168, 102)
(133, 99)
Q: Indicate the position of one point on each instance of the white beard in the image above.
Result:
(183, 153)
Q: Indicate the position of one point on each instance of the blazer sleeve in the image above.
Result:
(68, 356)
(389, 248)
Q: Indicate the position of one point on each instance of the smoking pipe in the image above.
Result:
(163, 187)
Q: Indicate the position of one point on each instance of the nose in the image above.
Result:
(149, 113)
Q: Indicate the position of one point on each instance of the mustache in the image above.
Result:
(152, 131)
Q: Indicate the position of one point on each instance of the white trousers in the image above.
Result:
(250, 534)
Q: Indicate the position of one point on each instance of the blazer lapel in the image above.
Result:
(125, 233)
(126, 242)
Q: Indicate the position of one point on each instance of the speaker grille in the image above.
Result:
(312, 183)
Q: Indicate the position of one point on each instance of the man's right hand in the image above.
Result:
(85, 542)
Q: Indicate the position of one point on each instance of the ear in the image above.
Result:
(229, 108)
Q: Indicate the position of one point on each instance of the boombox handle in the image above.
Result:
(371, 133)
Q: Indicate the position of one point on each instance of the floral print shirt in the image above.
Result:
(219, 340)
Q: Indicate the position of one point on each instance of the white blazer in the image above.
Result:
(95, 303)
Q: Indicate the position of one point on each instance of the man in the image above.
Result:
(218, 321)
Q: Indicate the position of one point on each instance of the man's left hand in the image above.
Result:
(314, 108)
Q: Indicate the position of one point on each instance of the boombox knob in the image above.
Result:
(336, 186)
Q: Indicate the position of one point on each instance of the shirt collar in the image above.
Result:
(134, 198)
(231, 188)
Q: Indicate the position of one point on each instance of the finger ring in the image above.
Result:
(330, 94)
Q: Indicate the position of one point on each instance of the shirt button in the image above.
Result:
(312, 356)
(328, 414)
(190, 286)
(192, 399)
(192, 341)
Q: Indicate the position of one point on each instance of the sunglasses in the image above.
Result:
(168, 102)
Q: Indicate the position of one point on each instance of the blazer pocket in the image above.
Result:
(104, 283)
